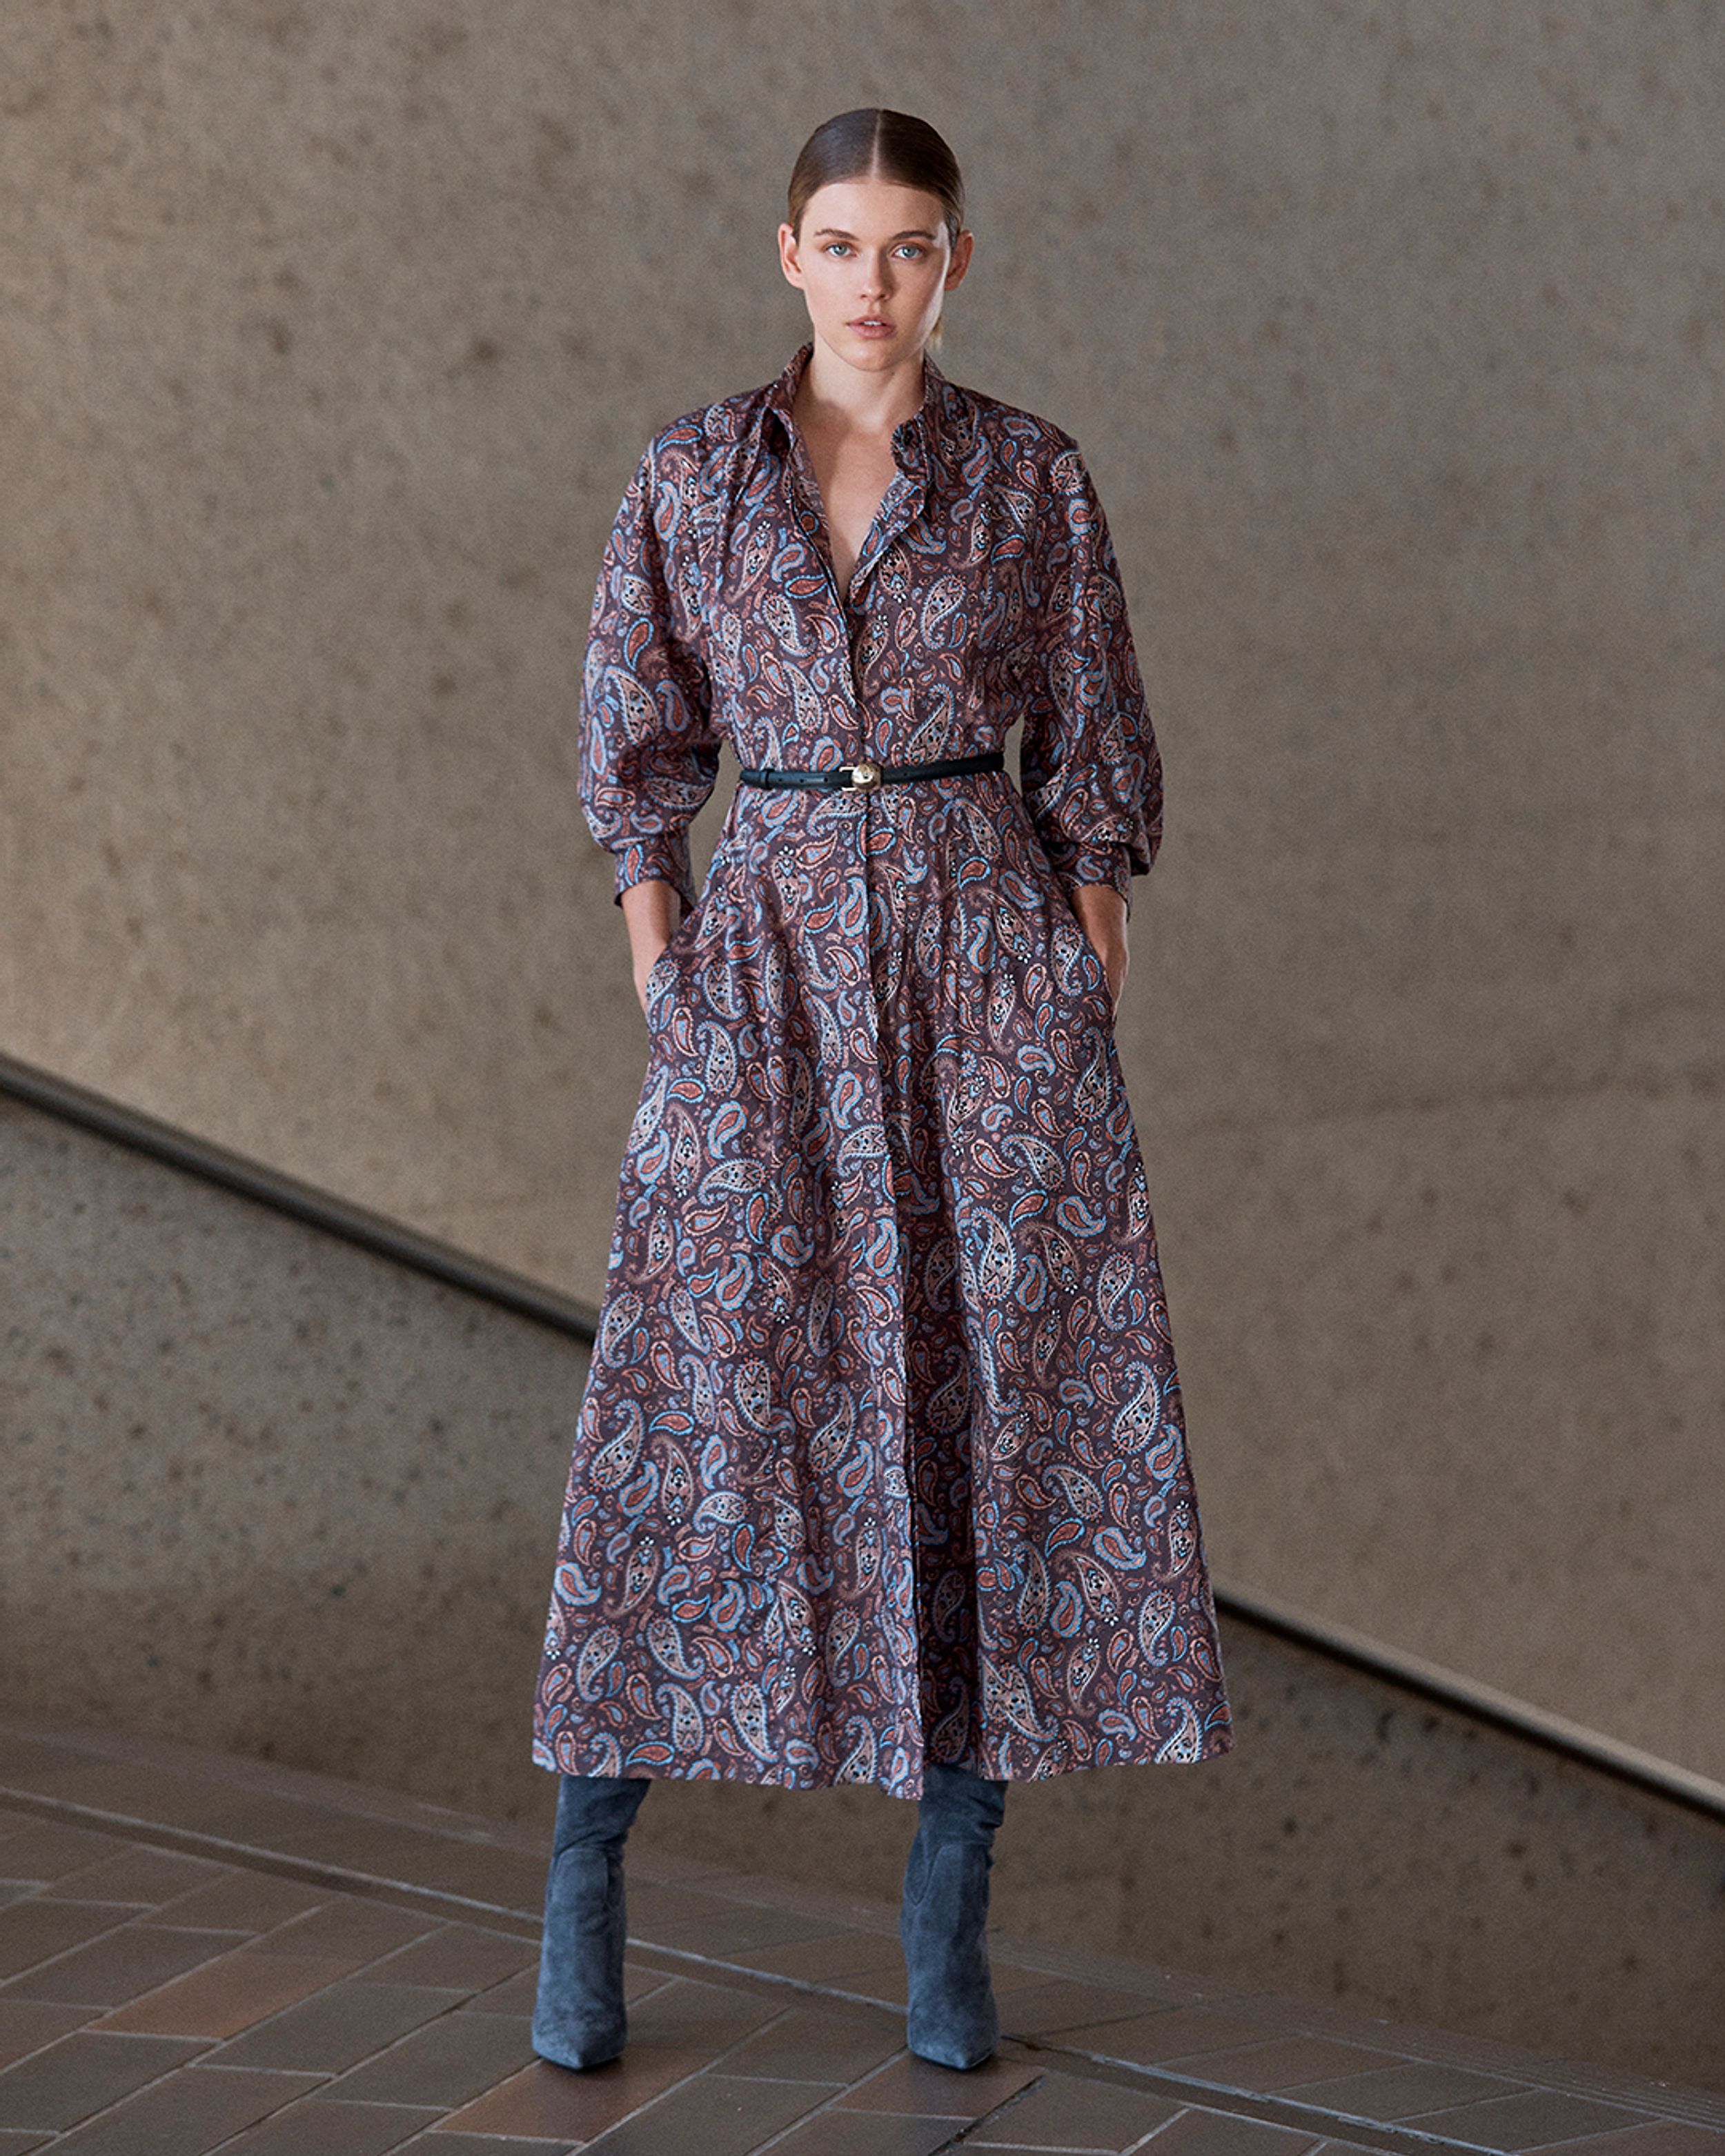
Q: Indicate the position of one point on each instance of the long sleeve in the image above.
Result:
(648, 754)
(1090, 767)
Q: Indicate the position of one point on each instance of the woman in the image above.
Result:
(881, 1474)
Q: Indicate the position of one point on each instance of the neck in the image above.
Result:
(868, 403)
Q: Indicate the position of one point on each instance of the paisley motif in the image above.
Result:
(598, 1652)
(666, 1642)
(880, 1458)
(613, 1461)
(1156, 1613)
(688, 1731)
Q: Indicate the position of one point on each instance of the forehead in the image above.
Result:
(872, 209)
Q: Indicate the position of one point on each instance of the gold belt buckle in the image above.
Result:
(864, 774)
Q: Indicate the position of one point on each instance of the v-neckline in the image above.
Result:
(864, 558)
(825, 519)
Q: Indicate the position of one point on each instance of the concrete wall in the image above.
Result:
(328, 336)
(261, 1492)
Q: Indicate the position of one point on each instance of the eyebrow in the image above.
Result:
(838, 232)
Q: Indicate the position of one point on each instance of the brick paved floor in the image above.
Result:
(200, 1953)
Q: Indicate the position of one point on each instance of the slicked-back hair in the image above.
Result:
(875, 143)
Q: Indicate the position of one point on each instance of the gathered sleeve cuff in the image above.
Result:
(649, 757)
(1081, 864)
(1089, 764)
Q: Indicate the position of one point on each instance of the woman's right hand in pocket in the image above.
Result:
(650, 911)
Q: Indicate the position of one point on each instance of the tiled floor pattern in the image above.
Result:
(200, 1955)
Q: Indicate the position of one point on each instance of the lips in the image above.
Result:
(871, 326)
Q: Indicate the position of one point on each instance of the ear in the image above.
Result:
(788, 260)
(962, 247)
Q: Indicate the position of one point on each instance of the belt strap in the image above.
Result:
(875, 774)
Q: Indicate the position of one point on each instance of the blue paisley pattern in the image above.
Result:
(880, 1458)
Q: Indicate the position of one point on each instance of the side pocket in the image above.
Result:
(1096, 975)
(1076, 955)
(660, 992)
(658, 974)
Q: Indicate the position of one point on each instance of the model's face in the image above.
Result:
(874, 261)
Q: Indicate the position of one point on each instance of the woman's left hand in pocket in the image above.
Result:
(650, 910)
(1102, 915)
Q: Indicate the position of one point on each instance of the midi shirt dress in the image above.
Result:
(880, 1458)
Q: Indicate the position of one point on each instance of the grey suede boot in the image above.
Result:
(578, 2019)
(952, 2017)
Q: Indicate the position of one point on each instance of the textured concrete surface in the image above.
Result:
(258, 1487)
(263, 1492)
(328, 336)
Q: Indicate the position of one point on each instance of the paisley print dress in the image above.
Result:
(880, 1458)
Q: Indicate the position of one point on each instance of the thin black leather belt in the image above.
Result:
(875, 774)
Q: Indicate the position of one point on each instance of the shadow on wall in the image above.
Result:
(266, 1491)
